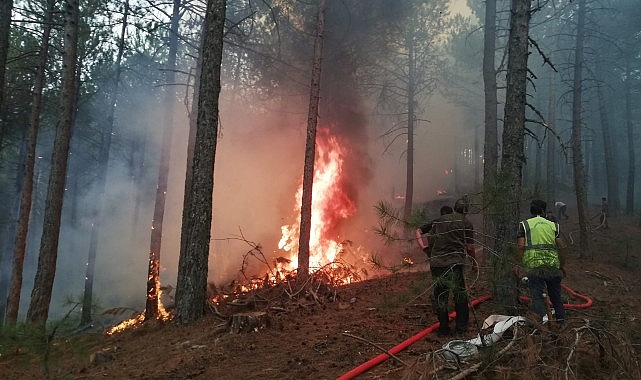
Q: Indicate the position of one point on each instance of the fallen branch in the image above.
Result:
(476, 366)
(579, 332)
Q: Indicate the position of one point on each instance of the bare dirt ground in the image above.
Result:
(327, 335)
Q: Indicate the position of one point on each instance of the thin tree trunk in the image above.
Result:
(5, 26)
(577, 151)
(310, 147)
(490, 148)
(103, 160)
(411, 89)
(43, 283)
(513, 154)
(629, 198)
(538, 157)
(153, 281)
(197, 211)
(137, 170)
(15, 285)
(551, 144)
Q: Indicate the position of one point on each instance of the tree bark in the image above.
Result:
(490, 148)
(22, 229)
(629, 198)
(411, 118)
(310, 148)
(577, 150)
(191, 287)
(43, 283)
(153, 273)
(551, 144)
(101, 173)
(512, 159)
(5, 26)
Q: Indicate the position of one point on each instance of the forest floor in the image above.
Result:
(331, 333)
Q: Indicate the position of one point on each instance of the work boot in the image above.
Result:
(443, 331)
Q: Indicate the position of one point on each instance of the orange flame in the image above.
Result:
(330, 205)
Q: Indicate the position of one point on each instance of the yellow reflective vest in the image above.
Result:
(540, 243)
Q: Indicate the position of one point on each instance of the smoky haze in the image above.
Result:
(258, 170)
(259, 163)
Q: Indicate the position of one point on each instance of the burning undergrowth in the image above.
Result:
(333, 260)
(280, 289)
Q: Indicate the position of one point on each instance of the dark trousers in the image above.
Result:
(448, 280)
(538, 285)
(562, 212)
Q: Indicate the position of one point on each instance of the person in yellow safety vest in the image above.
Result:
(539, 247)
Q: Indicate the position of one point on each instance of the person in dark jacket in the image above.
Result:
(451, 240)
(423, 232)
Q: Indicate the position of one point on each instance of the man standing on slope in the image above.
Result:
(540, 247)
(451, 239)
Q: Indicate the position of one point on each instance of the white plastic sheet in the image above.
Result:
(501, 324)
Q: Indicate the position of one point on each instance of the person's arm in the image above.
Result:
(520, 250)
(469, 243)
(560, 248)
(419, 239)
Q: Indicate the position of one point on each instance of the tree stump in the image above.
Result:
(247, 322)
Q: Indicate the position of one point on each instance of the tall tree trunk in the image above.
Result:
(137, 168)
(310, 147)
(577, 150)
(629, 198)
(490, 148)
(5, 26)
(193, 127)
(153, 281)
(15, 285)
(43, 283)
(512, 159)
(411, 118)
(551, 143)
(197, 211)
(101, 172)
(538, 157)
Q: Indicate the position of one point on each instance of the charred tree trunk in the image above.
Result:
(103, 160)
(551, 144)
(191, 287)
(193, 126)
(490, 148)
(137, 169)
(512, 159)
(43, 283)
(411, 118)
(15, 285)
(577, 150)
(629, 197)
(153, 274)
(538, 157)
(5, 26)
(310, 147)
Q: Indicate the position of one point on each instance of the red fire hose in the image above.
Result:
(400, 347)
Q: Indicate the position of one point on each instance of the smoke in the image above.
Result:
(259, 165)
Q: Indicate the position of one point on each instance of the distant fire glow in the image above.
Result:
(330, 205)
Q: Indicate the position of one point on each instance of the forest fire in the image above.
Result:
(330, 206)
(138, 318)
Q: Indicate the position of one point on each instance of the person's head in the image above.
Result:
(461, 206)
(446, 210)
(537, 207)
